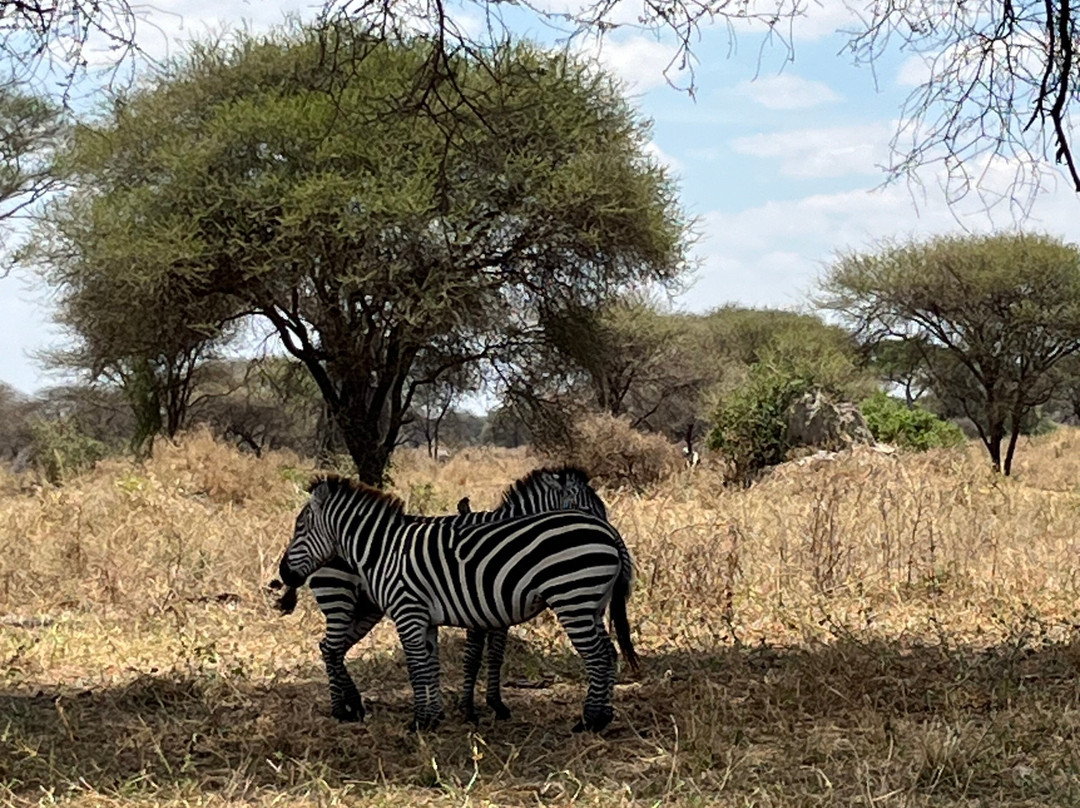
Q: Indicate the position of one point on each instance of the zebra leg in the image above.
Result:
(345, 701)
(474, 652)
(496, 652)
(421, 645)
(591, 640)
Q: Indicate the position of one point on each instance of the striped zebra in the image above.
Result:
(425, 573)
(350, 613)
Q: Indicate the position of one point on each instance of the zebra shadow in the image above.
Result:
(213, 733)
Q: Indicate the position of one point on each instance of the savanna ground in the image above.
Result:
(876, 630)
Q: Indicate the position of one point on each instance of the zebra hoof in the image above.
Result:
(349, 712)
(470, 715)
(594, 723)
(422, 724)
(502, 712)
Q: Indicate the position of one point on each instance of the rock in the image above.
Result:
(814, 419)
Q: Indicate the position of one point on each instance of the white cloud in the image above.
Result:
(787, 91)
(822, 18)
(814, 19)
(638, 60)
(772, 254)
(625, 12)
(163, 32)
(914, 71)
(830, 152)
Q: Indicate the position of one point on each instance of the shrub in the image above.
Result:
(892, 421)
(62, 451)
(614, 452)
(198, 465)
(751, 422)
(424, 498)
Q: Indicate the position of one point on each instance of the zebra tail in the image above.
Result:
(617, 612)
(287, 602)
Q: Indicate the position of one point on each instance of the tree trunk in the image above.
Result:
(1011, 448)
(993, 444)
(144, 398)
(369, 450)
(1014, 433)
(175, 411)
(369, 454)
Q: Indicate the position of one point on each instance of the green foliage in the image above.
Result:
(745, 335)
(751, 418)
(424, 498)
(61, 450)
(751, 422)
(667, 370)
(31, 128)
(628, 357)
(892, 421)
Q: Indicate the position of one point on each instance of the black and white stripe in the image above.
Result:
(424, 573)
(350, 614)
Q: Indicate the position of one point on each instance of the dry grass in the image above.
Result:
(876, 630)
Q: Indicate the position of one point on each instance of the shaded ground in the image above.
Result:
(841, 724)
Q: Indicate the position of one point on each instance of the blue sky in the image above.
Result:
(778, 159)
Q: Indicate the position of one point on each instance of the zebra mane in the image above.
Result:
(336, 483)
(527, 482)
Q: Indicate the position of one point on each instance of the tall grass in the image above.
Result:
(876, 629)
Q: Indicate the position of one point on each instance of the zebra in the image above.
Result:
(488, 575)
(350, 614)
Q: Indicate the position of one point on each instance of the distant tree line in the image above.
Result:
(990, 339)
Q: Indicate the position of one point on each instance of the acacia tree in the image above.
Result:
(148, 339)
(627, 358)
(1066, 401)
(991, 318)
(385, 247)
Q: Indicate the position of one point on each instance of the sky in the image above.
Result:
(778, 154)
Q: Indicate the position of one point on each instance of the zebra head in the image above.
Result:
(312, 544)
(553, 489)
(578, 493)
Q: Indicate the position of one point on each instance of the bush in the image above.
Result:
(61, 451)
(423, 498)
(892, 421)
(751, 422)
(612, 451)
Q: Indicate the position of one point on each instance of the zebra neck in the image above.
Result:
(515, 506)
(362, 532)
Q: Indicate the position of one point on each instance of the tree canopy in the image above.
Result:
(30, 130)
(387, 249)
(990, 317)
